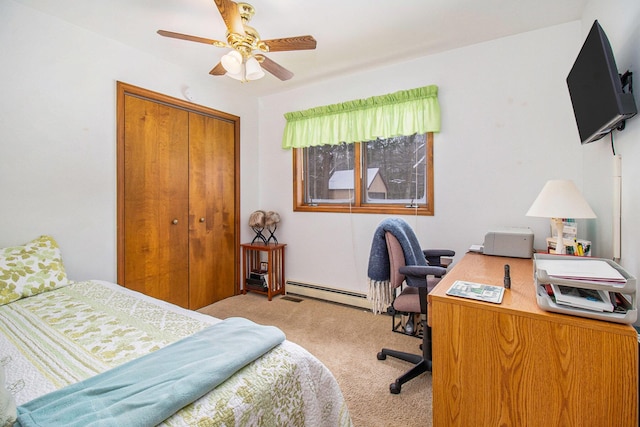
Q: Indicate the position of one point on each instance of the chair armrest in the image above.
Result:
(433, 255)
(438, 252)
(421, 272)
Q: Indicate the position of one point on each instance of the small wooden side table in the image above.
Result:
(272, 278)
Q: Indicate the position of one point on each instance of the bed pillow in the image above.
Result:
(8, 412)
(30, 269)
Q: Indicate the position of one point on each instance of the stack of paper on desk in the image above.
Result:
(583, 270)
(596, 288)
(588, 299)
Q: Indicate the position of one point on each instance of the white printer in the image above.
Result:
(514, 242)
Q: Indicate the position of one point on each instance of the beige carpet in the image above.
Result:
(346, 340)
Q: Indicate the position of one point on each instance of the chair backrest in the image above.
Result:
(396, 259)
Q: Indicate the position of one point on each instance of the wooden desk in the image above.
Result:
(513, 364)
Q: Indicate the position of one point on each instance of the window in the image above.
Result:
(339, 166)
(390, 176)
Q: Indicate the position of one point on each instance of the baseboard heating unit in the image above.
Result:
(340, 296)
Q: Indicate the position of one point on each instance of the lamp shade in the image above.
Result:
(560, 199)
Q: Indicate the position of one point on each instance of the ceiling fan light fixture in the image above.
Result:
(240, 63)
(248, 70)
(253, 69)
(232, 62)
(237, 76)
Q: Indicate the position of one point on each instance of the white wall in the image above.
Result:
(507, 128)
(619, 19)
(57, 133)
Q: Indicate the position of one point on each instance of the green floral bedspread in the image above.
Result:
(60, 337)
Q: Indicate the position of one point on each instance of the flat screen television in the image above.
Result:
(600, 103)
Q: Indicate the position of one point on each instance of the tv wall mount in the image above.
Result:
(626, 80)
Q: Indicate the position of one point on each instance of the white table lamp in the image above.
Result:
(560, 199)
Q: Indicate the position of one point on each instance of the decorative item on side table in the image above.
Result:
(261, 220)
(272, 219)
(560, 199)
(257, 223)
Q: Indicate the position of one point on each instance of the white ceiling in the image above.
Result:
(352, 35)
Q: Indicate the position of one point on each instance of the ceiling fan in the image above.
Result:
(243, 62)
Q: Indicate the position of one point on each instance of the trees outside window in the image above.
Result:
(392, 175)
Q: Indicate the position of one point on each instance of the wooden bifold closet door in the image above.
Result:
(178, 172)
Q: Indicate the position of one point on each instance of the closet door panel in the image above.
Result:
(212, 209)
(156, 200)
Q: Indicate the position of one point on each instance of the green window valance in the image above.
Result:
(401, 113)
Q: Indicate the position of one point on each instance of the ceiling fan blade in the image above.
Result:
(291, 43)
(230, 15)
(276, 69)
(218, 70)
(191, 38)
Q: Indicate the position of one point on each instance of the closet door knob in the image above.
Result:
(174, 222)
(202, 219)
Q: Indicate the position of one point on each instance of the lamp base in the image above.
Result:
(559, 224)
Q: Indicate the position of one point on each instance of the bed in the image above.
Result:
(55, 333)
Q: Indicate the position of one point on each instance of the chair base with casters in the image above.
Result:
(420, 366)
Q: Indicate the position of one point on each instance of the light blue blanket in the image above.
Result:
(149, 389)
